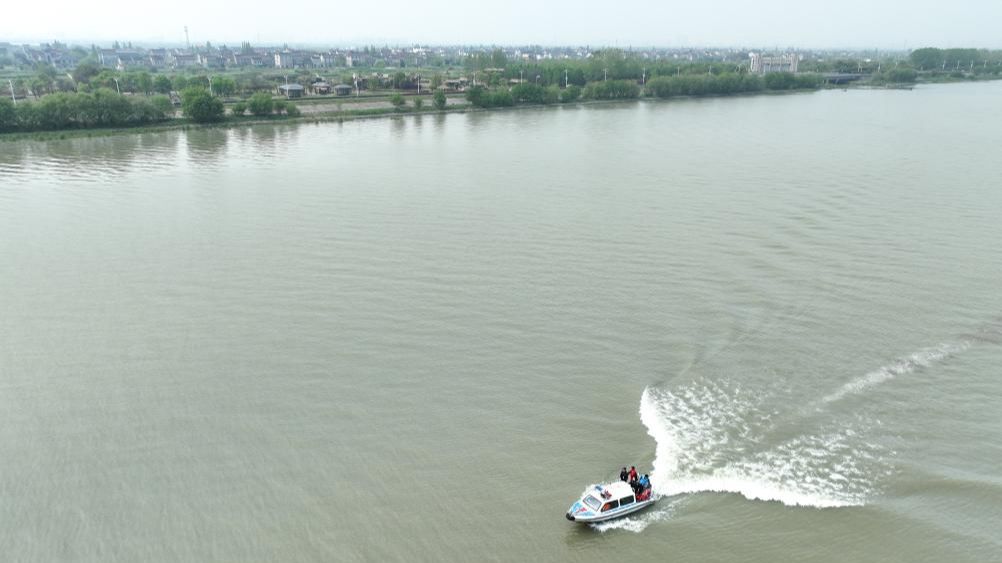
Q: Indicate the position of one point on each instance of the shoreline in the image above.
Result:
(381, 113)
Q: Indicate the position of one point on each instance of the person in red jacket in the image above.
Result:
(633, 475)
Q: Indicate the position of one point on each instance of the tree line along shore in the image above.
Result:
(611, 75)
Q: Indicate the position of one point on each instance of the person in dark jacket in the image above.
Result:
(624, 475)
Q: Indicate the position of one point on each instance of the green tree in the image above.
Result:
(281, 105)
(901, 75)
(144, 111)
(418, 104)
(292, 111)
(85, 71)
(611, 90)
(552, 94)
(144, 82)
(399, 80)
(200, 106)
(477, 95)
(164, 105)
(238, 109)
(529, 94)
(260, 104)
(8, 116)
(501, 99)
(40, 85)
(397, 100)
(439, 100)
(436, 80)
(570, 94)
(65, 84)
(57, 111)
(108, 108)
(161, 84)
(780, 81)
(498, 58)
(27, 117)
(223, 86)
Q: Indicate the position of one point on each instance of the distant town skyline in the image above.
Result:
(768, 24)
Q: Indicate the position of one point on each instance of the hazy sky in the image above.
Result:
(887, 24)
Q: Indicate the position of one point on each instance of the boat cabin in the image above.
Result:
(605, 502)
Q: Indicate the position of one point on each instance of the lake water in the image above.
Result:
(420, 339)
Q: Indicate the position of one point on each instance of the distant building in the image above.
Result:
(131, 59)
(289, 59)
(181, 60)
(291, 90)
(108, 58)
(157, 58)
(211, 61)
(242, 59)
(765, 65)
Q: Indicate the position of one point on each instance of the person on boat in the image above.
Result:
(624, 475)
(633, 474)
(644, 483)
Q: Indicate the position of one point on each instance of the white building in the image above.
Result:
(765, 65)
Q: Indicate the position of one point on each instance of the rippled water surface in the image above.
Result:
(420, 339)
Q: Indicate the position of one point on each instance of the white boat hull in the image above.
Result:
(611, 515)
(600, 503)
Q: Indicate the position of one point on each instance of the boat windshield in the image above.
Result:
(592, 502)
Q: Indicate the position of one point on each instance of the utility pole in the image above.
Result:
(187, 41)
(643, 77)
(566, 81)
(210, 85)
(606, 71)
(119, 88)
(12, 97)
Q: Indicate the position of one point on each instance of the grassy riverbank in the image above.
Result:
(344, 113)
(230, 122)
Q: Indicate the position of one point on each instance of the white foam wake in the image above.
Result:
(899, 367)
(638, 522)
(711, 438)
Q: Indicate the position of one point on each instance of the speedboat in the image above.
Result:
(605, 502)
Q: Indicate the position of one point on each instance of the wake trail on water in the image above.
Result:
(989, 333)
(712, 437)
(901, 366)
(715, 436)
